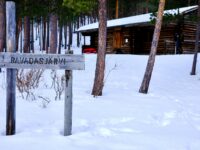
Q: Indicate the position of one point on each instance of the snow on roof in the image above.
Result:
(144, 18)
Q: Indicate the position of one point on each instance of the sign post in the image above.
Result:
(11, 73)
(13, 61)
(68, 102)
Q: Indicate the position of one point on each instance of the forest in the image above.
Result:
(70, 15)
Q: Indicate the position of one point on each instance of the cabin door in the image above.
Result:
(143, 38)
(139, 41)
(117, 39)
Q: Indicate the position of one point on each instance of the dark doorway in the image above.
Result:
(139, 42)
(143, 38)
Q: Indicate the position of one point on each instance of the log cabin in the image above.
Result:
(133, 35)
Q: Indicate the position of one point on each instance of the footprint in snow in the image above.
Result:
(165, 119)
(168, 116)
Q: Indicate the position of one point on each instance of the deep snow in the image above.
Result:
(167, 118)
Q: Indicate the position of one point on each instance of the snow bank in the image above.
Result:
(167, 118)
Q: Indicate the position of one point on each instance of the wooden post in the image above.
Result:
(11, 73)
(68, 102)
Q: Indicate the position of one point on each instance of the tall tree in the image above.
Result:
(60, 38)
(78, 34)
(149, 69)
(70, 35)
(18, 30)
(2, 25)
(47, 41)
(147, 9)
(44, 33)
(100, 64)
(117, 9)
(53, 33)
(26, 34)
(32, 37)
(54, 26)
(194, 64)
(26, 47)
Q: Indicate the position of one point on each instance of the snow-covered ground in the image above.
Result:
(167, 118)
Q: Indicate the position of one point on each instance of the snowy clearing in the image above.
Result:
(167, 118)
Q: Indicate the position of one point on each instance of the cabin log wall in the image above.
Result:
(189, 32)
(166, 43)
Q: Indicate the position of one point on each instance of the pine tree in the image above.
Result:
(2, 25)
(53, 33)
(149, 69)
(100, 64)
(194, 64)
(26, 48)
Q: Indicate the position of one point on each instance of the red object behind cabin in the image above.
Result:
(89, 50)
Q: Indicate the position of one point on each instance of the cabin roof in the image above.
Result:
(134, 20)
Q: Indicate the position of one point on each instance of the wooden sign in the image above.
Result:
(13, 61)
(42, 61)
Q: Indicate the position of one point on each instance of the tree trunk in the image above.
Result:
(53, 36)
(39, 34)
(100, 65)
(60, 39)
(32, 37)
(47, 41)
(44, 34)
(26, 48)
(36, 28)
(21, 37)
(149, 69)
(70, 35)
(65, 36)
(147, 4)
(2, 25)
(19, 29)
(117, 9)
(194, 64)
(78, 34)
(189, 2)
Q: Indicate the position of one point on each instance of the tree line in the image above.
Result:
(46, 16)
(50, 15)
(69, 14)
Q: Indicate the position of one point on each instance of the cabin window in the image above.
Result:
(126, 40)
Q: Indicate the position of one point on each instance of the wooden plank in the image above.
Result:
(42, 61)
(11, 102)
(11, 73)
(68, 102)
